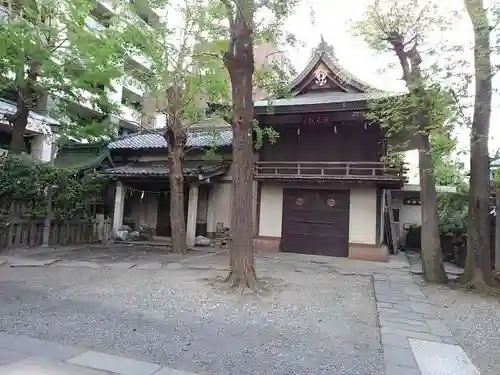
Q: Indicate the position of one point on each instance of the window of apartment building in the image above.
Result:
(96, 86)
(137, 105)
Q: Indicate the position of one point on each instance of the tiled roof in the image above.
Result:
(160, 169)
(219, 138)
(81, 156)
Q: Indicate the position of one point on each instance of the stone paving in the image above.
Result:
(22, 355)
(113, 257)
(414, 340)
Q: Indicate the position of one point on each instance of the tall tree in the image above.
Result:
(186, 75)
(478, 270)
(244, 30)
(48, 48)
(402, 27)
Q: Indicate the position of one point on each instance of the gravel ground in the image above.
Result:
(474, 321)
(317, 321)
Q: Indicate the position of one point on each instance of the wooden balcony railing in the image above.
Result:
(310, 170)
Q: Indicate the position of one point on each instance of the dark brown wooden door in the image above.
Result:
(315, 222)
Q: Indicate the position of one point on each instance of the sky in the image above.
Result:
(333, 20)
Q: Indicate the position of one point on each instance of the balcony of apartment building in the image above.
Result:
(105, 10)
(132, 113)
(146, 12)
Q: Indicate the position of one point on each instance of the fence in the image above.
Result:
(29, 232)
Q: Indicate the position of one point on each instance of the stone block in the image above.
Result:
(395, 340)
(115, 364)
(32, 262)
(389, 298)
(9, 356)
(153, 266)
(405, 321)
(81, 264)
(384, 305)
(405, 326)
(120, 266)
(441, 359)
(36, 347)
(171, 371)
(398, 356)
(401, 370)
(409, 334)
(437, 327)
(174, 266)
(400, 314)
(423, 308)
(44, 366)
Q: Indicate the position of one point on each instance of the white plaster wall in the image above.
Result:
(41, 147)
(409, 215)
(255, 190)
(363, 216)
(219, 206)
(271, 210)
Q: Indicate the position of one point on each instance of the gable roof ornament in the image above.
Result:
(325, 53)
(324, 47)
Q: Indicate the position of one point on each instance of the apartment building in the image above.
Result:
(127, 91)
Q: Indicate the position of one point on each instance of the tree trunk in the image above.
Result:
(432, 255)
(478, 269)
(17, 144)
(240, 64)
(27, 98)
(177, 214)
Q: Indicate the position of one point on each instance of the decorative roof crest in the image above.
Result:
(324, 47)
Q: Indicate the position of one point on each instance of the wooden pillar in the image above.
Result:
(255, 198)
(394, 237)
(380, 238)
(192, 214)
(497, 231)
(118, 210)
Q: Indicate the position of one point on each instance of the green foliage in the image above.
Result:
(495, 181)
(23, 179)
(186, 67)
(264, 133)
(453, 212)
(429, 108)
(187, 47)
(48, 49)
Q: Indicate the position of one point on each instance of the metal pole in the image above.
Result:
(47, 221)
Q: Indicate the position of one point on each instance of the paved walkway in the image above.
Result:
(414, 340)
(22, 355)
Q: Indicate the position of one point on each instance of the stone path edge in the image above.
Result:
(20, 262)
(405, 314)
(20, 348)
